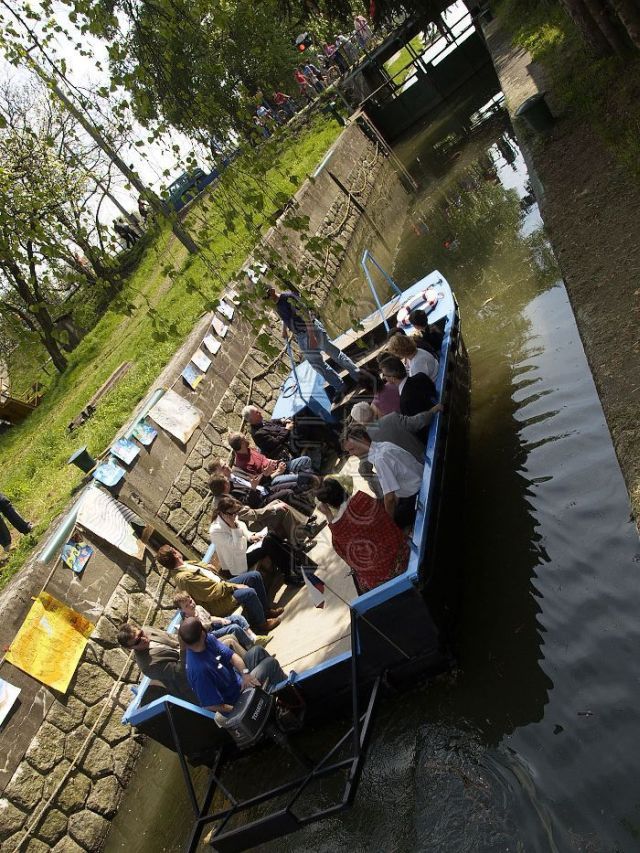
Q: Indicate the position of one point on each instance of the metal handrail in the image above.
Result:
(366, 257)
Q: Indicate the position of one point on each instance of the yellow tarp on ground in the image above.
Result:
(50, 642)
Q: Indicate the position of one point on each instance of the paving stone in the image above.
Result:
(113, 660)
(66, 714)
(132, 582)
(73, 794)
(139, 604)
(118, 606)
(183, 480)
(98, 760)
(46, 748)
(88, 829)
(35, 846)
(25, 788)
(105, 796)
(53, 779)
(203, 447)
(52, 827)
(192, 502)
(105, 631)
(178, 519)
(91, 683)
(109, 728)
(67, 845)
(11, 819)
(124, 757)
(194, 461)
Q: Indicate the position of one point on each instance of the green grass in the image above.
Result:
(603, 92)
(149, 321)
(404, 57)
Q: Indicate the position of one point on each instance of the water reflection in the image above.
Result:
(531, 746)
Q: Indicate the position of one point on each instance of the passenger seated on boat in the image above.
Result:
(235, 626)
(238, 549)
(363, 534)
(417, 393)
(221, 597)
(159, 657)
(407, 432)
(311, 337)
(295, 472)
(399, 473)
(383, 396)
(273, 437)
(250, 491)
(279, 518)
(415, 360)
(427, 336)
(217, 675)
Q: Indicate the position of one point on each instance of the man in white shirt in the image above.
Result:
(399, 473)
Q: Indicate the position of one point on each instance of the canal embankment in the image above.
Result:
(67, 757)
(590, 204)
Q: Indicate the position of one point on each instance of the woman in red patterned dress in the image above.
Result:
(363, 534)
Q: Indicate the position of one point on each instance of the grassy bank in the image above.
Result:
(603, 92)
(155, 311)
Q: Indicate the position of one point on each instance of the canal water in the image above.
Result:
(532, 744)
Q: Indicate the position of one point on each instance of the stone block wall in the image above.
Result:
(168, 488)
(78, 816)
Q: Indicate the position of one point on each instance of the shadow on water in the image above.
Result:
(530, 746)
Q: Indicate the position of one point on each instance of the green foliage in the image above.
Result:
(198, 64)
(155, 311)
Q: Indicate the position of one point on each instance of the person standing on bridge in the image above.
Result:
(312, 338)
(14, 518)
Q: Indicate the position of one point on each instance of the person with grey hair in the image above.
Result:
(273, 437)
(406, 431)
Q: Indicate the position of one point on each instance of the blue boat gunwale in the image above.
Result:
(409, 580)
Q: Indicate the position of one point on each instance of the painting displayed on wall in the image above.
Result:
(212, 344)
(125, 450)
(192, 376)
(76, 554)
(144, 433)
(201, 361)
(176, 415)
(109, 473)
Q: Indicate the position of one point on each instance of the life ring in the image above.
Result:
(427, 300)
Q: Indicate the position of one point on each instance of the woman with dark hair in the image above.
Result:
(363, 534)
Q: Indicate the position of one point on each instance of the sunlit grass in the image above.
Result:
(157, 308)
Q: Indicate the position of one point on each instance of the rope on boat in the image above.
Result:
(105, 705)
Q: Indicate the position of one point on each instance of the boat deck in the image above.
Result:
(308, 636)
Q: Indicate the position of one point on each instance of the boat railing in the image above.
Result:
(367, 258)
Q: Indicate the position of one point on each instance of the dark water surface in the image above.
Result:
(533, 744)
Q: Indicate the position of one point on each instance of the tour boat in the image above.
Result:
(342, 658)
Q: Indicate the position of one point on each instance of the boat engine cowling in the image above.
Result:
(246, 723)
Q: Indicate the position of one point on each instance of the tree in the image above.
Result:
(48, 242)
(195, 63)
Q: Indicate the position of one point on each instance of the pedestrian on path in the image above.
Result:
(14, 518)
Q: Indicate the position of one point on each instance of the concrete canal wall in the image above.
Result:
(67, 758)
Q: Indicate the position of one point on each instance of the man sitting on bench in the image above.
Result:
(217, 675)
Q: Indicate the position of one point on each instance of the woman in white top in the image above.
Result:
(238, 549)
(416, 360)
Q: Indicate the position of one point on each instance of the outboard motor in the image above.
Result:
(246, 723)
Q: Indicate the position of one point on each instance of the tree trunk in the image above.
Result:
(608, 24)
(46, 333)
(629, 14)
(158, 205)
(589, 30)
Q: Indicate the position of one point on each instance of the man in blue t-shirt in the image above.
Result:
(312, 337)
(218, 675)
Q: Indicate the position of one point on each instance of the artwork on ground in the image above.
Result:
(101, 514)
(192, 376)
(175, 414)
(219, 327)
(232, 296)
(109, 473)
(225, 309)
(125, 450)
(201, 361)
(50, 642)
(76, 554)
(144, 433)
(212, 344)
(8, 696)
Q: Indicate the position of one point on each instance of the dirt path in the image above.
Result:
(591, 210)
